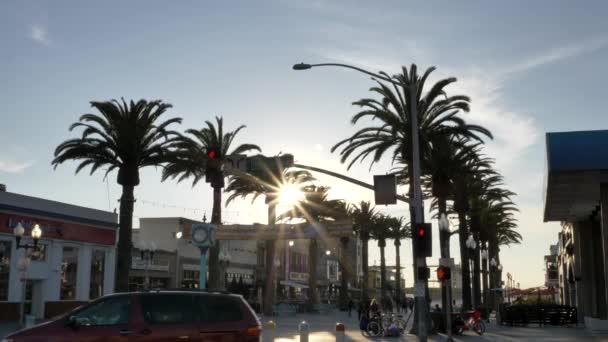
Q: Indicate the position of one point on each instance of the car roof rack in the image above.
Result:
(187, 290)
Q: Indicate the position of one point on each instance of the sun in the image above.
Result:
(290, 195)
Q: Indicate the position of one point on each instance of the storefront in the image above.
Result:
(75, 263)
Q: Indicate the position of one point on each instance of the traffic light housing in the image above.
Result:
(423, 240)
(444, 273)
(213, 172)
(424, 273)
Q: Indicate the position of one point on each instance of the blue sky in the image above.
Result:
(530, 67)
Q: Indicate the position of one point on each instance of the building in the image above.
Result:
(175, 262)
(76, 262)
(576, 194)
(551, 270)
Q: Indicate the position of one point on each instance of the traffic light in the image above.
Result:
(424, 273)
(213, 172)
(444, 273)
(423, 242)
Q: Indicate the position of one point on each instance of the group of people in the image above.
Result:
(372, 308)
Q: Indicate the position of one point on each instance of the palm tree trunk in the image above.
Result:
(444, 243)
(214, 251)
(345, 271)
(312, 272)
(269, 288)
(398, 274)
(464, 263)
(364, 265)
(382, 244)
(123, 263)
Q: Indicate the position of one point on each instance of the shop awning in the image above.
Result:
(293, 284)
(577, 163)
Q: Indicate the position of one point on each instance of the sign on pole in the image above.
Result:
(385, 189)
(449, 262)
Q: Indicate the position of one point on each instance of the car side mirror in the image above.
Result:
(72, 322)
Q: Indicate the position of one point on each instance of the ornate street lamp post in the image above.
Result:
(146, 254)
(484, 270)
(25, 261)
(471, 245)
(224, 262)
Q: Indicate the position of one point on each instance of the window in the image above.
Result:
(69, 266)
(115, 310)
(5, 262)
(169, 309)
(216, 309)
(98, 260)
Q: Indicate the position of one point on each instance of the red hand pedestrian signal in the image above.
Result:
(423, 240)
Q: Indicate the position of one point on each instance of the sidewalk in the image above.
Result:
(322, 329)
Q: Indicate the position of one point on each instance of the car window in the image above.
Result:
(111, 311)
(215, 309)
(169, 308)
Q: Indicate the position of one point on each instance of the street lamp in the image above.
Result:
(328, 252)
(24, 262)
(224, 262)
(416, 189)
(291, 243)
(471, 245)
(177, 236)
(146, 254)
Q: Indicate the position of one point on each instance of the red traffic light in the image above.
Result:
(211, 154)
(440, 274)
(421, 232)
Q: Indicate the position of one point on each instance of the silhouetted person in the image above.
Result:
(350, 306)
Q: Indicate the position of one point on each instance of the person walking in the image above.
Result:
(350, 306)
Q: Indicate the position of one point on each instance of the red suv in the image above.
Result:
(162, 315)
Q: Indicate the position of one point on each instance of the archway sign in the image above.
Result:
(284, 231)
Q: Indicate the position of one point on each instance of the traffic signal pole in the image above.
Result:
(421, 304)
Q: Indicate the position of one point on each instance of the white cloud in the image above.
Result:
(11, 166)
(559, 53)
(39, 34)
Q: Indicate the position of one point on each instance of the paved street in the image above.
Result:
(322, 329)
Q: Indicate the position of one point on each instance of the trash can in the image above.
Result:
(30, 321)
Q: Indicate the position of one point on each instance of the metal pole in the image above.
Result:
(202, 277)
(421, 303)
(146, 279)
(448, 318)
(22, 306)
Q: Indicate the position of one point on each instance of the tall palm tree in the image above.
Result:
(363, 216)
(189, 159)
(126, 137)
(438, 114)
(380, 231)
(399, 230)
(267, 183)
(315, 208)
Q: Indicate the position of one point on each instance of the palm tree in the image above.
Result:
(437, 116)
(380, 231)
(399, 230)
(267, 183)
(126, 137)
(363, 216)
(315, 208)
(189, 159)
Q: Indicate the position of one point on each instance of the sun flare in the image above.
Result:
(290, 195)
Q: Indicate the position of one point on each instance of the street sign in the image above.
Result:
(385, 189)
(284, 231)
(236, 162)
(449, 262)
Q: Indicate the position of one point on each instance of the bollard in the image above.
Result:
(340, 332)
(269, 329)
(303, 329)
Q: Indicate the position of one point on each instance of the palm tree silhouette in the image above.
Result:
(315, 209)
(269, 184)
(127, 137)
(189, 159)
(363, 216)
